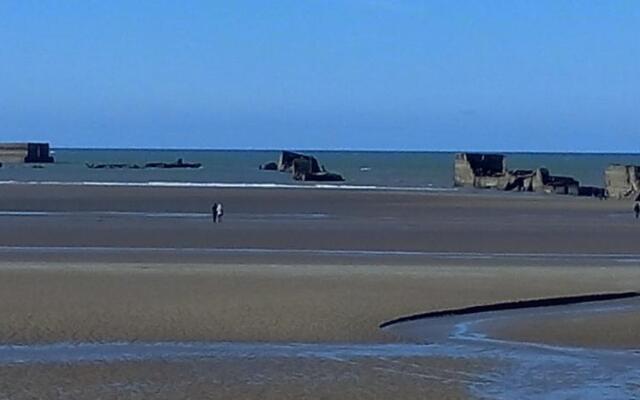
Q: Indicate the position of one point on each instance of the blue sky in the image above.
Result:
(538, 75)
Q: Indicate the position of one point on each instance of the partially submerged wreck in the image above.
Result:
(288, 159)
(480, 170)
(489, 171)
(623, 181)
(178, 164)
(302, 168)
(162, 165)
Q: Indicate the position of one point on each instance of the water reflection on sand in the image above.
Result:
(518, 370)
(536, 370)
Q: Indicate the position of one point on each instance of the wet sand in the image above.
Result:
(314, 219)
(612, 330)
(92, 264)
(534, 370)
(276, 379)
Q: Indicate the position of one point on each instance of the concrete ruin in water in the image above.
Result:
(490, 171)
(25, 153)
(623, 181)
(302, 168)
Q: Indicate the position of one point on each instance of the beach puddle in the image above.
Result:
(535, 370)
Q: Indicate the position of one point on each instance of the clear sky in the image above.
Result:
(535, 75)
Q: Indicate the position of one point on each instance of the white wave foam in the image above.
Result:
(232, 185)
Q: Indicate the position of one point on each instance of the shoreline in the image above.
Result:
(294, 187)
(452, 190)
(232, 185)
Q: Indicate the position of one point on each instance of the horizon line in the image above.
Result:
(374, 150)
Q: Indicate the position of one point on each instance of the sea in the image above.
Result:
(428, 171)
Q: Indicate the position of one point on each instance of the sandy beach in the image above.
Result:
(94, 264)
(302, 303)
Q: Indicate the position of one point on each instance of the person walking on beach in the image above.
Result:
(636, 209)
(214, 213)
(219, 212)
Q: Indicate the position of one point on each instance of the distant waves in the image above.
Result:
(233, 185)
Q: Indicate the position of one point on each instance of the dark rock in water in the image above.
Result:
(270, 166)
(37, 166)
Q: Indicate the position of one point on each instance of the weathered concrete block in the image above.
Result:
(622, 181)
(302, 167)
(25, 153)
(490, 171)
(287, 158)
(470, 166)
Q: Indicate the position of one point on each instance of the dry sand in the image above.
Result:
(308, 303)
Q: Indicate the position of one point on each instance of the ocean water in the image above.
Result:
(419, 170)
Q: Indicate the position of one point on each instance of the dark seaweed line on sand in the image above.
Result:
(515, 305)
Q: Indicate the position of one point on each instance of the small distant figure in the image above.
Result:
(636, 209)
(214, 213)
(219, 212)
